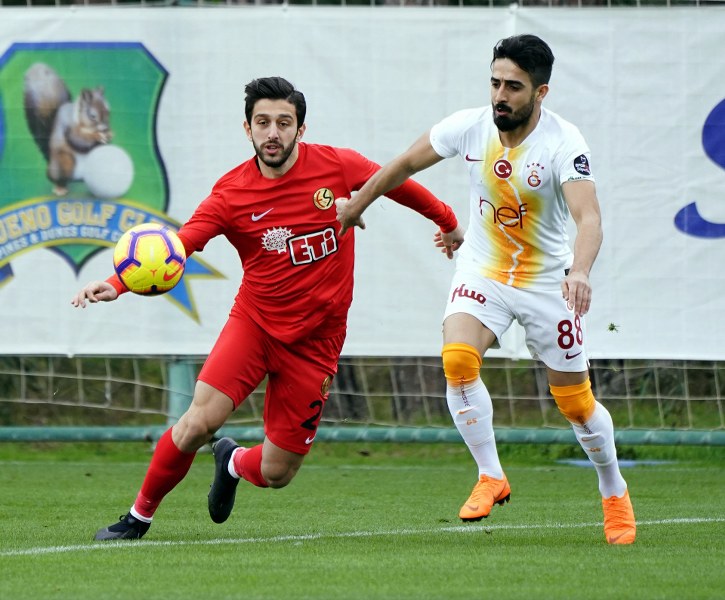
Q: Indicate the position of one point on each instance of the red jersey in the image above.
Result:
(298, 273)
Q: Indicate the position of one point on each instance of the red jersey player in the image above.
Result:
(289, 318)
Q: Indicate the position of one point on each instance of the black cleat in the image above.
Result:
(128, 528)
(224, 487)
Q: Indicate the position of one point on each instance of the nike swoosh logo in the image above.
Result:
(463, 411)
(568, 356)
(614, 538)
(257, 217)
(309, 440)
(469, 159)
(168, 277)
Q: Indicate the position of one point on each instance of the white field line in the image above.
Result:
(665, 466)
(460, 529)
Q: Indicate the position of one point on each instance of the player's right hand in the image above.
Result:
(95, 291)
(577, 291)
(348, 215)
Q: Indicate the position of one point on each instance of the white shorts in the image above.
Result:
(554, 334)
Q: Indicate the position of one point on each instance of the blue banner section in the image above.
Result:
(688, 219)
(46, 222)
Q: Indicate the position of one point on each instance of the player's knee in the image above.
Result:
(461, 363)
(575, 402)
(278, 475)
(191, 432)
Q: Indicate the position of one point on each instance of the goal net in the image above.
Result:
(388, 398)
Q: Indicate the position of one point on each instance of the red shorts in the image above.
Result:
(299, 377)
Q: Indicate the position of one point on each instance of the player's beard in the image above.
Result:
(513, 119)
(279, 159)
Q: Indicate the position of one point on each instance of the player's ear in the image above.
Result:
(542, 91)
(248, 130)
(301, 131)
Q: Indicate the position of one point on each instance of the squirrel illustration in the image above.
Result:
(64, 129)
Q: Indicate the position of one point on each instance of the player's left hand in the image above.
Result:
(449, 242)
(95, 291)
(577, 291)
(348, 215)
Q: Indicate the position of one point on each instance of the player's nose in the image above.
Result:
(273, 133)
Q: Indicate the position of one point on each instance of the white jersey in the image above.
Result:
(517, 233)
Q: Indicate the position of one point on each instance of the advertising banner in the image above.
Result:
(110, 118)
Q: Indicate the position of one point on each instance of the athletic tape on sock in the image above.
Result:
(575, 402)
(461, 363)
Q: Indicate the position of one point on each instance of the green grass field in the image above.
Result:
(361, 521)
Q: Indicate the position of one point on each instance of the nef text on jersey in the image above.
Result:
(508, 216)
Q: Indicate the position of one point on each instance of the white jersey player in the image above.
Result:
(517, 235)
(529, 172)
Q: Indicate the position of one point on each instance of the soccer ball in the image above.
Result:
(149, 259)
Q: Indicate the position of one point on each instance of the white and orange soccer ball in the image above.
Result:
(149, 259)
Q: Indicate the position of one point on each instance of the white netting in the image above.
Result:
(379, 3)
(389, 391)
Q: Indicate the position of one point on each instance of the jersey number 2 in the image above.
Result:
(310, 423)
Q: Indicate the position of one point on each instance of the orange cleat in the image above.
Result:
(619, 524)
(487, 492)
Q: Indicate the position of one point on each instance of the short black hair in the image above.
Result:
(274, 88)
(530, 53)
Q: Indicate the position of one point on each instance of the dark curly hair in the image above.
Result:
(530, 53)
(274, 88)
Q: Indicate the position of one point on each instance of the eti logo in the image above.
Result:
(311, 247)
(688, 220)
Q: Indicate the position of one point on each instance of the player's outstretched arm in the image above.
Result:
(95, 291)
(416, 158)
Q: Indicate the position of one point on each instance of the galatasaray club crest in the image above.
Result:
(79, 162)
